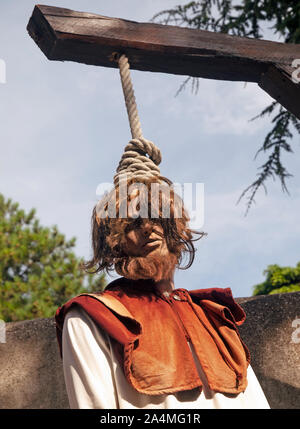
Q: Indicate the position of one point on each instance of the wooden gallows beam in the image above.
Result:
(67, 35)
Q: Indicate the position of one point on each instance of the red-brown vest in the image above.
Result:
(150, 334)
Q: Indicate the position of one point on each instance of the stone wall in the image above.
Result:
(31, 368)
(272, 333)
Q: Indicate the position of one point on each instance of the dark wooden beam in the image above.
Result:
(66, 35)
(278, 83)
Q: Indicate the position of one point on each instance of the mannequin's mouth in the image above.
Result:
(154, 240)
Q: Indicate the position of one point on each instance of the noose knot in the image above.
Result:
(141, 157)
(135, 162)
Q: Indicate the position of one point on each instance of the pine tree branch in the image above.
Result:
(276, 140)
(244, 20)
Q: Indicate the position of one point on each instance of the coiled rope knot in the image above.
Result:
(136, 163)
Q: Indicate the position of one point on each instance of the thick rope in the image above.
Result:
(135, 162)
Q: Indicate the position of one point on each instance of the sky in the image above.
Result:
(64, 127)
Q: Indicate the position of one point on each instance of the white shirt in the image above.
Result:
(94, 378)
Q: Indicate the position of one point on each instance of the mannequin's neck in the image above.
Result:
(165, 285)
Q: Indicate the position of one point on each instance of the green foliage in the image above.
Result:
(279, 280)
(38, 269)
(249, 18)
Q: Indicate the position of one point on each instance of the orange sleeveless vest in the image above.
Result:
(150, 334)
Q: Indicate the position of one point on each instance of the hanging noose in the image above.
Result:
(141, 157)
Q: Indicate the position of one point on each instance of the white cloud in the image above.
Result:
(226, 107)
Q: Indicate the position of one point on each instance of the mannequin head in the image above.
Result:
(145, 243)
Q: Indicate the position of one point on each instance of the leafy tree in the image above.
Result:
(38, 269)
(247, 19)
(279, 280)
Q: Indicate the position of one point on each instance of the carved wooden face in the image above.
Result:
(144, 238)
(145, 250)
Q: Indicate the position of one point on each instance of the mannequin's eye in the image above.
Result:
(133, 223)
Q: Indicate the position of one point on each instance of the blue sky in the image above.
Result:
(64, 126)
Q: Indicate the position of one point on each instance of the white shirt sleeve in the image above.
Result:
(87, 363)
